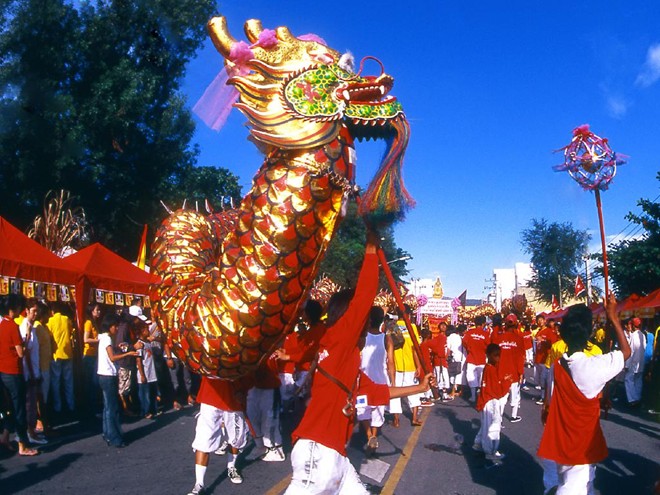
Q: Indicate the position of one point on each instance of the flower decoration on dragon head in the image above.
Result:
(229, 286)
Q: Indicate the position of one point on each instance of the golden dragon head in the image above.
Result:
(298, 93)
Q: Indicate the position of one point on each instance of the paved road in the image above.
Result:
(159, 460)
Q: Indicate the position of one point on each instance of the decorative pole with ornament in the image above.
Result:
(590, 161)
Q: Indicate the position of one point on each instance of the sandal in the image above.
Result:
(28, 452)
(416, 423)
(177, 406)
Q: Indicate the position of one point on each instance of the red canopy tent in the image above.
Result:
(25, 259)
(650, 301)
(100, 268)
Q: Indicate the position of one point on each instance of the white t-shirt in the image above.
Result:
(455, 347)
(637, 342)
(591, 373)
(105, 366)
(374, 357)
(32, 348)
(147, 363)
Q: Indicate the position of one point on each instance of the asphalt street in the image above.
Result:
(435, 458)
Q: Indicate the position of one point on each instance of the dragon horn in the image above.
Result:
(222, 40)
(283, 34)
(253, 29)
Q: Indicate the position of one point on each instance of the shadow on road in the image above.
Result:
(518, 474)
(32, 473)
(626, 472)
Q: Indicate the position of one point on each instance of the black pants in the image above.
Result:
(17, 421)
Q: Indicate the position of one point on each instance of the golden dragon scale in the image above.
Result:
(228, 287)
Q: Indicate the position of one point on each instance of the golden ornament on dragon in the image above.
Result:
(228, 287)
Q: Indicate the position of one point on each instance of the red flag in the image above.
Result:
(555, 304)
(579, 286)
(142, 252)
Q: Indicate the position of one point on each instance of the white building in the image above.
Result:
(509, 282)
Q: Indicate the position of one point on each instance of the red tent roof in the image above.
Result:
(650, 301)
(106, 270)
(24, 258)
(100, 268)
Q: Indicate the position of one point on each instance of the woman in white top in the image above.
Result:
(108, 380)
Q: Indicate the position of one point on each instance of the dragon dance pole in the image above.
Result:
(592, 163)
(399, 302)
(599, 207)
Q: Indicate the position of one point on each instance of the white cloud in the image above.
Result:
(651, 70)
(617, 106)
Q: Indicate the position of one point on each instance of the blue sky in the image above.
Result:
(490, 90)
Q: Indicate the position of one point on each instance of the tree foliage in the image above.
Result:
(556, 254)
(634, 265)
(90, 102)
(345, 253)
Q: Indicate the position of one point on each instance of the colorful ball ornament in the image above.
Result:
(589, 160)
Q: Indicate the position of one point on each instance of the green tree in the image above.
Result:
(634, 265)
(556, 252)
(91, 103)
(40, 136)
(345, 253)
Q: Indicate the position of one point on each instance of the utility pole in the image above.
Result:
(561, 304)
(586, 270)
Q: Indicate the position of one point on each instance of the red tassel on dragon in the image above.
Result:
(228, 287)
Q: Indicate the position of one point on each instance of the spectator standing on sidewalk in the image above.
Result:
(61, 368)
(108, 379)
(12, 350)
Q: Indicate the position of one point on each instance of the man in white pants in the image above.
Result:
(572, 436)
(220, 419)
(635, 363)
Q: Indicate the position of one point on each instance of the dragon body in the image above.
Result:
(229, 286)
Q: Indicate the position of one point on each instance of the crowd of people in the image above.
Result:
(350, 362)
(119, 366)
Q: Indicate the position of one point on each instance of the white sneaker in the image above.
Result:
(197, 490)
(223, 449)
(234, 476)
(497, 456)
(257, 453)
(274, 454)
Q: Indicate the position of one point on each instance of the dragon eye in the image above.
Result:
(347, 62)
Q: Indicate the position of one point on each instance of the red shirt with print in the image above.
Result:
(10, 337)
(475, 342)
(339, 355)
(512, 357)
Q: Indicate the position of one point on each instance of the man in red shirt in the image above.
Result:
(512, 360)
(221, 418)
(319, 460)
(545, 337)
(475, 342)
(492, 398)
(301, 347)
(12, 350)
(434, 355)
